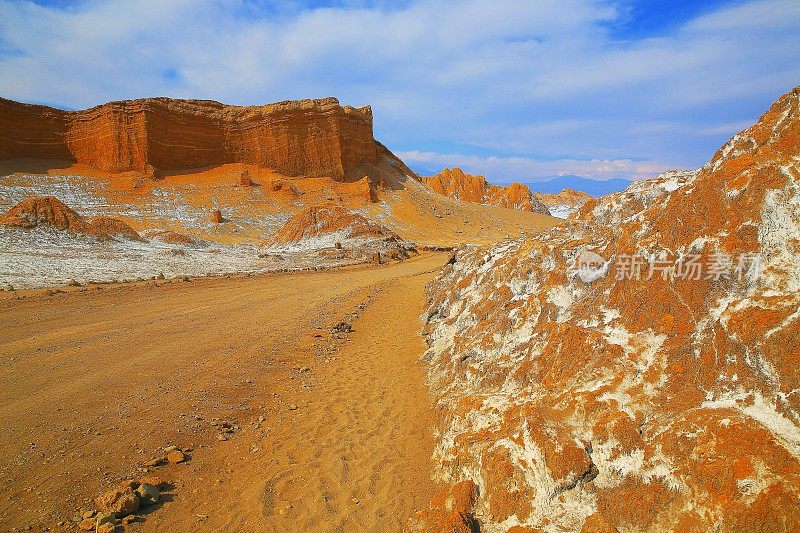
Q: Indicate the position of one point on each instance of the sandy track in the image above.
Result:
(334, 429)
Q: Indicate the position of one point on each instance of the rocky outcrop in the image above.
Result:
(114, 228)
(43, 211)
(338, 233)
(635, 368)
(475, 189)
(153, 135)
(331, 221)
(451, 510)
(120, 501)
(173, 237)
(50, 212)
(563, 204)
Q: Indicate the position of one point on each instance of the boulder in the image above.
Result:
(176, 456)
(104, 521)
(148, 494)
(119, 501)
(130, 519)
(245, 180)
(583, 364)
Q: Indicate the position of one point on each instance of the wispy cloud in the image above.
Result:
(523, 89)
(527, 169)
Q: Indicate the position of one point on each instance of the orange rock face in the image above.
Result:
(580, 396)
(469, 188)
(451, 510)
(296, 138)
(564, 203)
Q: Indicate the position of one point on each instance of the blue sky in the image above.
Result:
(520, 90)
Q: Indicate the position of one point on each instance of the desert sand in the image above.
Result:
(284, 394)
(570, 394)
(327, 431)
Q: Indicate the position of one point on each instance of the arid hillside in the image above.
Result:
(637, 367)
(207, 186)
(456, 183)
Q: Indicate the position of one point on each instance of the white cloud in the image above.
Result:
(527, 169)
(527, 81)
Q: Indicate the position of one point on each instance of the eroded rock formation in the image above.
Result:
(582, 392)
(153, 135)
(456, 183)
(339, 233)
(331, 221)
(564, 203)
(50, 212)
(42, 211)
(115, 228)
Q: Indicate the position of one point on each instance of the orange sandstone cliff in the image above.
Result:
(475, 189)
(252, 164)
(152, 135)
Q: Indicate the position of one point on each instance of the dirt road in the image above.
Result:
(330, 431)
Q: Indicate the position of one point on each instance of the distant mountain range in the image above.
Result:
(595, 188)
(592, 187)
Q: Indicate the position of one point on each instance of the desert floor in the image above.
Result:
(330, 431)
